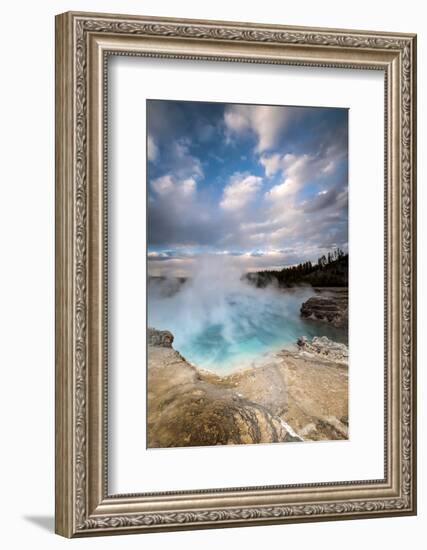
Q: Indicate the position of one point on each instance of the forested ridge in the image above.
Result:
(330, 270)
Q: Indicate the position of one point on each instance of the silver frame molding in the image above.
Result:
(83, 43)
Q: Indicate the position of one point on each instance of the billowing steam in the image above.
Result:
(219, 320)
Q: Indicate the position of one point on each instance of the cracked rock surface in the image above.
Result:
(330, 307)
(290, 396)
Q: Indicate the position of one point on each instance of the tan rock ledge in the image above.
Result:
(294, 395)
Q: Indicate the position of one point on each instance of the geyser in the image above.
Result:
(221, 322)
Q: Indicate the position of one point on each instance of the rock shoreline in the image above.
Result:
(295, 395)
(331, 308)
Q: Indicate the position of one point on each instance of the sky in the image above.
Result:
(266, 185)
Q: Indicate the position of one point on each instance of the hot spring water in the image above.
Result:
(221, 323)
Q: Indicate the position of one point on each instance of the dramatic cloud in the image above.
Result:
(336, 197)
(295, 166)
(166, 185)
(288, 188)
(295, 169)
(299, 171)
(266, 185)
(271, 164)
(266, 122)
(152, 150)
(240, 191)
(183, 163)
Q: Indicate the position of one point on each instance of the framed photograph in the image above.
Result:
(235, 274)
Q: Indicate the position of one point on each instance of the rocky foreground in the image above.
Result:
(294, 395)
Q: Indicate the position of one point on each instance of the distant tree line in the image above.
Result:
(330, 270)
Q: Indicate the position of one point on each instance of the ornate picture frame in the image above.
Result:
(84, 42)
